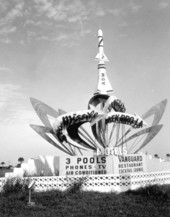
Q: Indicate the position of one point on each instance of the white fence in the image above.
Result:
(102, 183)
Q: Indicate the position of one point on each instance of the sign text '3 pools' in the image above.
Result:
(83, 165)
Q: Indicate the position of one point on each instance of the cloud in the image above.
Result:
(12, 14)
(8, 29)
(61, 37)
(5, 40)
(23, 117)
(4, 4)
(69, 11)
(31, 34)
(163, 5)
(56, 12)
(11, 94)
(5, 32)
(46, 38)
(115, 12)
(12, 99)
(22, 42)
(13, 106)
(85, 32)
(8, 94)
(44, 19)
(4, 68)
(44, 24)
(100, 12)
(66, 40)
(43, 5)
(17, 11)
(74, 19)
(134, 7)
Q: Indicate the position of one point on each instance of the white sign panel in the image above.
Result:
(82, 165)
(130, 163)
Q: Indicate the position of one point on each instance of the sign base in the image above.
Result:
(31, 204)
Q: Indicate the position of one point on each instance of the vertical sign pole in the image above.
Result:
(29, 200)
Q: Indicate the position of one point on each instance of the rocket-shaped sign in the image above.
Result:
(104, 86)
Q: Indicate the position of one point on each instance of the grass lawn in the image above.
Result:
(145, 202)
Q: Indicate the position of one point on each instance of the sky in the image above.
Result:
(47, 50)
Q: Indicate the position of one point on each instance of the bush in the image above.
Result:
(76, 186)
(156, 193)
(15, 185)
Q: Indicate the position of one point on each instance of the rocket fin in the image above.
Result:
(104, 57)
(101, 57)
(97, 56)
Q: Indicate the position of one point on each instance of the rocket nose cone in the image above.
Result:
(100, 33)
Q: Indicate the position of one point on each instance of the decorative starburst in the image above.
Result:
(68, 134)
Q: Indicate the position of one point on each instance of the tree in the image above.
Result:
(10, 167)
(20, 159)
(2, 163)
(168, 157)
(156, 155)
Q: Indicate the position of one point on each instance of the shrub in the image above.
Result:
(15, 185)
(75, 186)
(153, 192)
